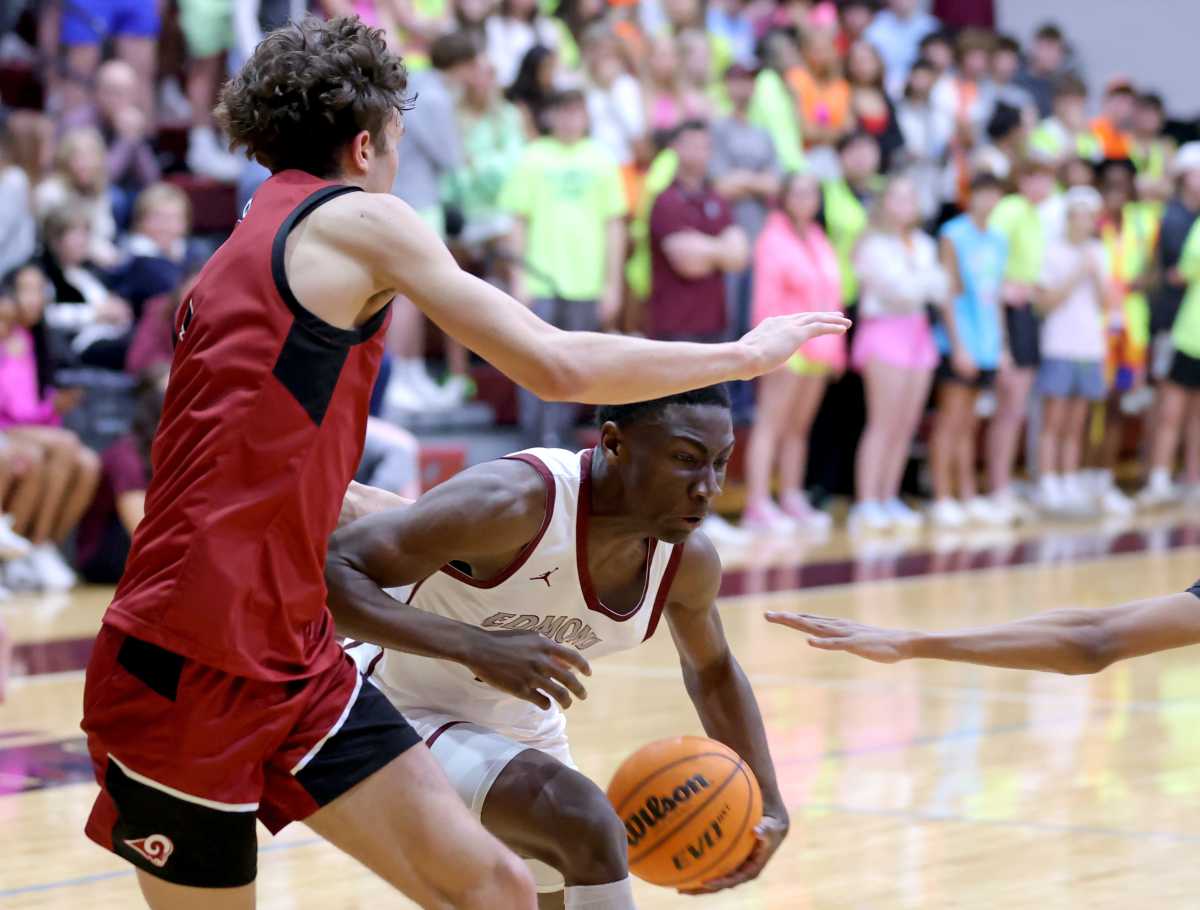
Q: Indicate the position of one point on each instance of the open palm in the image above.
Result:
(872, 642)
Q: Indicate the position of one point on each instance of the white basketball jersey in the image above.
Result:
(547, 589)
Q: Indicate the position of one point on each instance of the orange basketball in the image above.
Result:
(690, 806)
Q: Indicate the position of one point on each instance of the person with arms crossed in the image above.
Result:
(217, 691)
(522, 571)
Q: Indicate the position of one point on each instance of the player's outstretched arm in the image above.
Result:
(1073, 641)
(722, 695)
(589, 367)
(486, 514)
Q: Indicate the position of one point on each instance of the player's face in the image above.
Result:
(673, 468)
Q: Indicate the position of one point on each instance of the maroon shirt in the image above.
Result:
(262, 430)
(684, 306)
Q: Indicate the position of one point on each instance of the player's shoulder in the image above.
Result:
(365, 219)
(698, 578)
(505, 490)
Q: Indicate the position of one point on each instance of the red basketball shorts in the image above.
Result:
(188, 756)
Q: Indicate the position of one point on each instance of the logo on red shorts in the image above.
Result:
(155, 849)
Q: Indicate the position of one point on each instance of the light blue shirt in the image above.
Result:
(981, 258)
(898, 41)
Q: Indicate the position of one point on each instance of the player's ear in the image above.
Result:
(362, 150)
(611, 442)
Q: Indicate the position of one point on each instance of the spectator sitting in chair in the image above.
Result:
(32, 416)
(92, 323)
(156, 250)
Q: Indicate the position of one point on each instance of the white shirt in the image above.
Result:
(547, 589)
(898, 278)
(618, 116)
(1073, 330)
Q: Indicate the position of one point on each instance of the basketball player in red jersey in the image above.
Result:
(1073, 641)
(216, 692)
(525, 570)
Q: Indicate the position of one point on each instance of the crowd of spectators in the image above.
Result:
(1014, 250)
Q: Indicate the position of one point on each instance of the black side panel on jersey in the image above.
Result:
(314, 352)
(309, 368)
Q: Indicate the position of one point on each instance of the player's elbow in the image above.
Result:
(1093, 648)
(561, 372)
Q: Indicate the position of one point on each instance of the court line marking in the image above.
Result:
(121, 873)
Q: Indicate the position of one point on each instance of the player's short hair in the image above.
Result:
(308, 89)
(624, 415)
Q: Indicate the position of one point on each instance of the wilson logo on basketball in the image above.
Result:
(155, 849)
(658, 808)
(697, 849)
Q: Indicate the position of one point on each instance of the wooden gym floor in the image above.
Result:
(911, 786)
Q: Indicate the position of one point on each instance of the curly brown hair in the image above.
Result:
(308, 89)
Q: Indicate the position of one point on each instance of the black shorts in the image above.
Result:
(1185, 371)
(983, 380)
(1024, 330)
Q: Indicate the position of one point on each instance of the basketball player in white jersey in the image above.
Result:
(524, 569)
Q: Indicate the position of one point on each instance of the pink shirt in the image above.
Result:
(796, 273)
(20, 403)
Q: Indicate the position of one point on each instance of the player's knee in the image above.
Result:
(589, 838)
(506, 885)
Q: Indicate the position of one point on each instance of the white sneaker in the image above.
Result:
(901, 515)
(52, 569)
(1014, 509)
(947, 513)
(12, 544)
(1114, 502)
(985, 511)
(1081, 491)
(1158, 492)
(207, 158)
(21, 575)
(1051, 495)
(722, 533)
(456, 391)
(870, 516)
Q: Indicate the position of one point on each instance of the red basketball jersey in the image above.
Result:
(262, 430)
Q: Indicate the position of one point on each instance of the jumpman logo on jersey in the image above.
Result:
(545, 576)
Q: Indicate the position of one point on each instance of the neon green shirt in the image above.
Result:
(1018, 220)
(1185, 334)
(773, 109)
(567, 194)
(845, 221)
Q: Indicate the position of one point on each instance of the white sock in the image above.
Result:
(1160, 478)
(613, 896)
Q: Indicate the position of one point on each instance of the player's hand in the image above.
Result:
(774, 340)
(885, 646)
(529, 666)
(771, 832)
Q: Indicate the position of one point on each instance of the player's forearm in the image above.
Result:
(728, 711)
(364, 612)
(1072, 641)
(614, 369)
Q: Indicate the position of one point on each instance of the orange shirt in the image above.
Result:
(820, 103)
(1113, 142)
